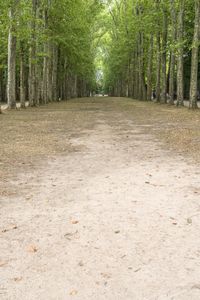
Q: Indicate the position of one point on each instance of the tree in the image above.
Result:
(180, 40)
(12, 55)
(173, 14)
(195, 56)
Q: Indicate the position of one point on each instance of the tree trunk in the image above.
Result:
(45, 62)
(172, 56)
(180, 77)
(1, 89)
(158, 68)
(22, 76)
(32, 57)
(49, 72)
(163, 98)
(11, 87)
(150, 67)
(54, 73)
(195, 57)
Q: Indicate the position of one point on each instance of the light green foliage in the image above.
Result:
(128, 19)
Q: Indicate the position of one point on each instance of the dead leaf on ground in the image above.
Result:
(81, 264)
(32, 249)
(17, 279)
(3, 263)
(137, 270)
(11, 227)
(74, 222)
(73, 293)
(106, 275)
(196, 286)
(70, 235)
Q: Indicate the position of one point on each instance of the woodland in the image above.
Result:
(100, 149)
(52, 50)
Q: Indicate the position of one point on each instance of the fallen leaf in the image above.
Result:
(17, 279)
(10, 228)
(3, 263)
(189, 220)
(106, 275)
(75, 222)
(69, 235)
(32, 249)
(117, 231)
(196, 286)
(137, 270)
(73, 293)
(81, 264)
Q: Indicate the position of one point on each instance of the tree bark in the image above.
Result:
(195, 57)
(11, 87)
(150, 67)
(180, 76)
(32, 58)
(22, 76)
(163, 97)
(54, 73)
(158, 68)
(172, 56)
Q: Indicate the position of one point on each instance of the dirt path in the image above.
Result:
(117, 217)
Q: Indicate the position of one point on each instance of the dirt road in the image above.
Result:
(102, 210)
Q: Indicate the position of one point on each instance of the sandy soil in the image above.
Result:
(99, 202)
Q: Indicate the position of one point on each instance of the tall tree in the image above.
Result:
(180, 49)
(12, 41)
(172, 52)
(163, 97)
(195, 57)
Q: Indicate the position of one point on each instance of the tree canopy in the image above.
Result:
(57, 49)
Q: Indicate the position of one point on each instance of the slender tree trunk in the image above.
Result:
(150, 67)
(158, 67)
(180, 76)
(163, 97)
(54, 73)
(11, 87)
(172, 56)
(1, 89)
(195, 57)
(22, 76)
(49, 72)
(32, 57)
(45, 62)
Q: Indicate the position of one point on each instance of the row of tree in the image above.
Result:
(153, 50)
(46, 50)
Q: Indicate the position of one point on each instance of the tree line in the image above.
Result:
(153, 50)
(46, 51)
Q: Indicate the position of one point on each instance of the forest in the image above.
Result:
(54, 50)
(100, 149)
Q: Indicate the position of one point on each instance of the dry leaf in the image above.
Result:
(75, 222)
(10, 228)
(3, 263)
(174, 223)
(73, 292)
(81, 264)
(17, 279)
(106, 275)
(32, 249)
